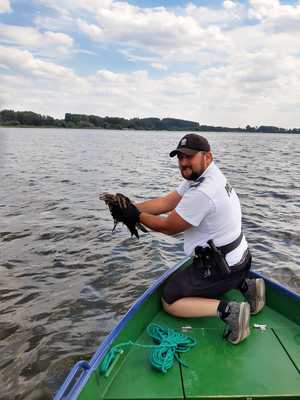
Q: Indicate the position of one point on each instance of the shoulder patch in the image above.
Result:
(197, 182)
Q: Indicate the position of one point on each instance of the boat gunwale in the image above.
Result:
(103, 347)
(132, 311)
(101, 350)
(277, 286)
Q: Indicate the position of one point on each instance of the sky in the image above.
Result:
(228, 63)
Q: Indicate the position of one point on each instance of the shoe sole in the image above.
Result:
(243, 324)
(261, 295)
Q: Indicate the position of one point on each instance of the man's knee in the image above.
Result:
(171, 292)
(165, 305)
(169, 308)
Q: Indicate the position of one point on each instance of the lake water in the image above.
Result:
(66, 279)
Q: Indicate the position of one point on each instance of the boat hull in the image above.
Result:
(216, 369)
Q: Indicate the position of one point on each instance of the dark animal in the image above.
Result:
(123, 210)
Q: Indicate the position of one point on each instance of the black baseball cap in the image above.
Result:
(190, 144)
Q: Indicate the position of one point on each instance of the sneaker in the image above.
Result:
(238, 322)
(255, 294)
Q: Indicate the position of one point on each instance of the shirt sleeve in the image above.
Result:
(194, 206)
(182, 188)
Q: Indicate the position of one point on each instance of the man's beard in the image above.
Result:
(192, 177)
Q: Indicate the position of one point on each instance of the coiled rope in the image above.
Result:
(168, 343)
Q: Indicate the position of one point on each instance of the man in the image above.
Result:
(206, 208)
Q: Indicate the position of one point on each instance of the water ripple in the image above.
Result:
(66, 279)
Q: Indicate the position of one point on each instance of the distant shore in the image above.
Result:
(29, 119)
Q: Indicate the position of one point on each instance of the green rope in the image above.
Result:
(168, 343)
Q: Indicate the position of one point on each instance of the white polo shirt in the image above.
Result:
(213, 209)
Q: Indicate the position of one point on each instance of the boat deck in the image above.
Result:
(265, 366)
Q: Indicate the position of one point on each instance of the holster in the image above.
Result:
(204, 261)
(211, 259)
(219, 258)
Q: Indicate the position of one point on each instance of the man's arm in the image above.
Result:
(169, 225)
(160, 205)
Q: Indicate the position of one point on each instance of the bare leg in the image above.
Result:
(192, 307)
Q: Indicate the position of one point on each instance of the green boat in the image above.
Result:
(264, 366)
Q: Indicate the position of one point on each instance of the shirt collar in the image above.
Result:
(208, 170)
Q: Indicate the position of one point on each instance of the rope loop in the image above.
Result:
(168, 343)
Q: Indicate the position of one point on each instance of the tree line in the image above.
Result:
(31, 119)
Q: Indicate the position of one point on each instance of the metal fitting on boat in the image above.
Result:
(186, 328)
(261, 327)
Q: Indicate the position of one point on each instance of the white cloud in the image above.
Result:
(248, 92)
(5, 6)
(228, 4)
(275, 16)
(63, 22)
(233, 72)
(159, 66)
(130, 55)
(156, 34)
(165, 36)
(232, 13)
(263, 8)
(109, 77)
(23, 61)
(93, 31)
(31, 38)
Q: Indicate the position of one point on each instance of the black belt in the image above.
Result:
(231, 246)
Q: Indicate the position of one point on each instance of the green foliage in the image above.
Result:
(11, 123)
(29, 118)
(179, 124)
(7, 115)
